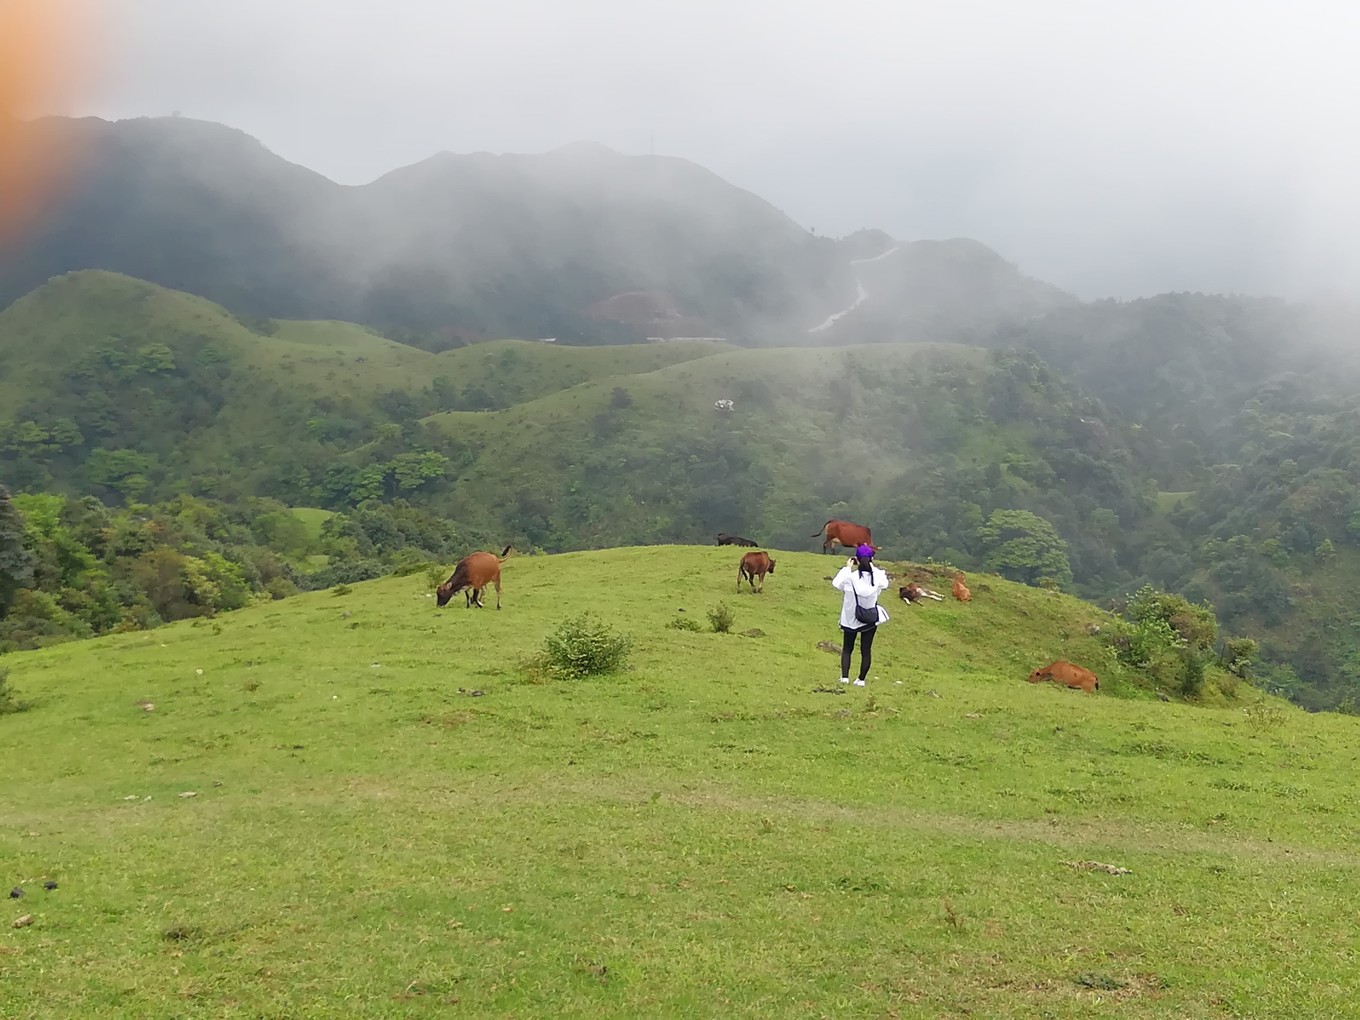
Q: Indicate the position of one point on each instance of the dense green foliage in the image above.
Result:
(92, 569)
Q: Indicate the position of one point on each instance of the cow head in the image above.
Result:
(448, 590)
(1039, 676)
(771, 566)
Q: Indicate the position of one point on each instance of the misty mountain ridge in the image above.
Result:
(578, 242)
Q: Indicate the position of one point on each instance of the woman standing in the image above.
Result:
(861, 614)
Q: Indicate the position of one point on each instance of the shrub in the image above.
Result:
(1196, 625)
(1192, 672)
(584, 646)
(1264, 716)
(684, 623)
(9, 704)
(722, 617)
(281, 588)
(1237, 655)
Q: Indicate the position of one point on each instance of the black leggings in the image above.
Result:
(866, 649)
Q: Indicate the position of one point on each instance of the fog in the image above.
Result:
(1110, 150)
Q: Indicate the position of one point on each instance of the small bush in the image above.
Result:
(341, 589)
(722, 617)
(1237, 655)
(280, 588)
(1192, 672)
(684, 623)
(584, 646)
(9, 704)
(1264, 716)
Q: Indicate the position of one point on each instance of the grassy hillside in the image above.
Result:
(387, 813)
(61, 322)
(175, 388)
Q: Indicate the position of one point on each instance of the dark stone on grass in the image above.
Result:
(753, 632)
(49, 885)
(15, 893)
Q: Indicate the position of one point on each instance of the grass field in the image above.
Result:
(390, 820)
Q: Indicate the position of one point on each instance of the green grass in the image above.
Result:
(312, 519)
(706, 834)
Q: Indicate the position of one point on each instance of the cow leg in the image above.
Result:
(497, 583)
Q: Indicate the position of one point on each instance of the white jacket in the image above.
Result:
(866, 589)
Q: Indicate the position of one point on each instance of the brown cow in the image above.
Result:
(961, 591)
(753, 565)
(725, 539)
(1067, 674)
(845, 533)
(475, 572)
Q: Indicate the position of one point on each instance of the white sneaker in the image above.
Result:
(859, 683)
(845, 679)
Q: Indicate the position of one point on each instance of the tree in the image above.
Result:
(16, 564)
(1024, 547)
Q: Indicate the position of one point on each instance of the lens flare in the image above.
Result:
(39, 67)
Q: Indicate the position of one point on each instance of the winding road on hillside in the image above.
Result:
(860, 293)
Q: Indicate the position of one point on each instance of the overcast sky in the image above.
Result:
(1111, 148)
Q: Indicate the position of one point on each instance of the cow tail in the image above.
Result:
(820, 530)
(505, 552)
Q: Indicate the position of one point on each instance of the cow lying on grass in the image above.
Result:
(1068, 674)
(725, 539)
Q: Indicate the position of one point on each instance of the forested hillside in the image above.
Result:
(1197, 443)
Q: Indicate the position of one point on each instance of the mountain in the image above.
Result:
(583, 244)
(467, 245)
(956, 291)
(1208, 444)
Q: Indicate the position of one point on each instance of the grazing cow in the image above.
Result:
(753, 565)
(845, 533)
(914, 593)
(1067, 674)
(725, 539)
(474, 572)
(961, 591)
